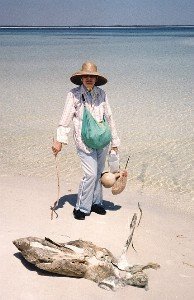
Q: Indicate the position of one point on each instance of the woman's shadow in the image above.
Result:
(72, 199)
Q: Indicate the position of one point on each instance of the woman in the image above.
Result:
(90, 95)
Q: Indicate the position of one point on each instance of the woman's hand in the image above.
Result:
(56, 148)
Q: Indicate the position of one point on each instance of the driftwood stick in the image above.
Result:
(132, 228)
(133, 247)
(141, 213)
(122, 263)
(53, 208)
(127, 162)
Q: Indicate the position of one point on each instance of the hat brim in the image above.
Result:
(76, 78)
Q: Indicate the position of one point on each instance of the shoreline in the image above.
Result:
(164, 236)
(151, 197)
(99, 26)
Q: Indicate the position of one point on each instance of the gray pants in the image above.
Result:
(90, 189)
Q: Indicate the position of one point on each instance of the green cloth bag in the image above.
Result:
(95, 135)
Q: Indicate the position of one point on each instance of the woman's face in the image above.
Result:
(89, 81)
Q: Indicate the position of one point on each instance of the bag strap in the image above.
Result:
(84, 101)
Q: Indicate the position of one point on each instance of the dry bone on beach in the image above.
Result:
(83, 259)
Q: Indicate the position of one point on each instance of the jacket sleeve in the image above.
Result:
(67, 116)
(108, 113)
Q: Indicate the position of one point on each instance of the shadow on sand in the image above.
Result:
(33, 268)
(72, 198)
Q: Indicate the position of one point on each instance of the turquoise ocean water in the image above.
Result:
(150, 88)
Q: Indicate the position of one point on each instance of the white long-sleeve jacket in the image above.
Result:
(98, 105)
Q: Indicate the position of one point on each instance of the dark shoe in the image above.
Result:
(98, 209)
(78, 214)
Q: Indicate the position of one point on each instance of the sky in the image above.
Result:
(96, 12)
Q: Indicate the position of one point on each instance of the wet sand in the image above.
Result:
(165, 236)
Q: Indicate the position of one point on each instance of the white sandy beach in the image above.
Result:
(164, 236)
(150, 73)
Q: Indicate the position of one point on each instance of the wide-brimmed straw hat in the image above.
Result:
(88, 68)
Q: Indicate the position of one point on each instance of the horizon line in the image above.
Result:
(91, 26)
